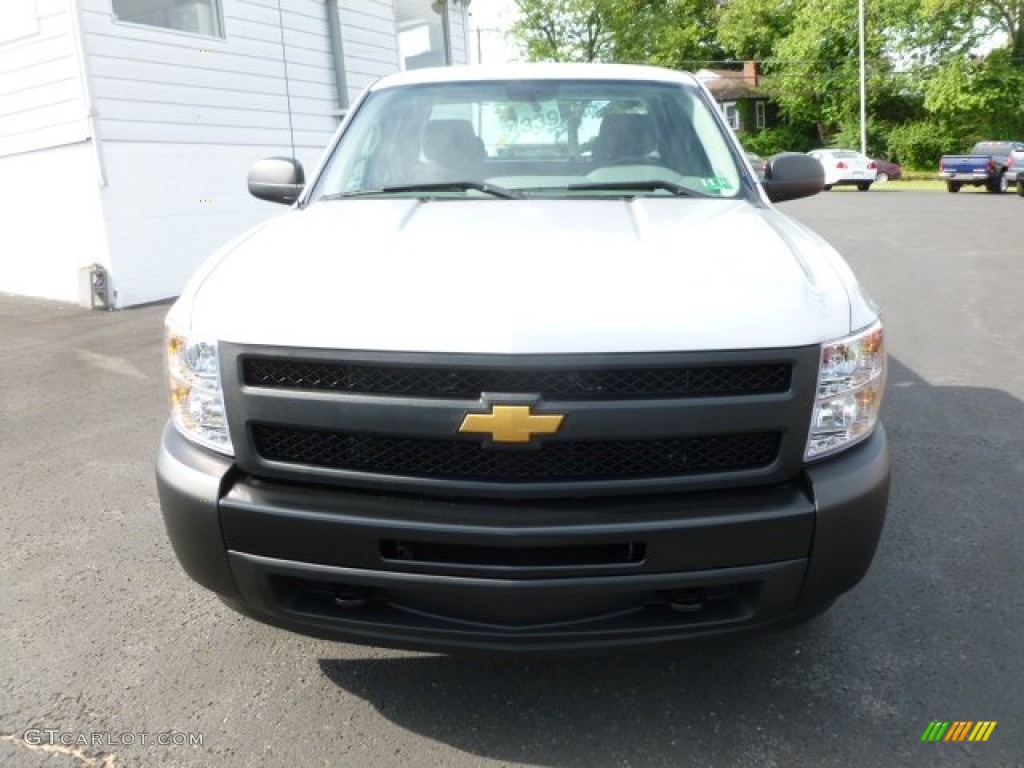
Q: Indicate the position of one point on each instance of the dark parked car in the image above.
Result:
(887, 170)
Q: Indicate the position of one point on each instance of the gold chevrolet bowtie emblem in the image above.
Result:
(511, 423)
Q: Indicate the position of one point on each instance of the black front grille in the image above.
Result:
(466, 460)
(467, 382)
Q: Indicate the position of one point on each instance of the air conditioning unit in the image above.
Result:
(94, 288)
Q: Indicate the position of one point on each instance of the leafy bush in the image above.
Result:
(848, 137)
(784, 138)
(921, 144)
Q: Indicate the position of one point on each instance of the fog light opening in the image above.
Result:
(350, 596)
(696, 599)
(325, 593)
(685, 600)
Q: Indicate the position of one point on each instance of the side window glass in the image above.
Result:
(200, 17)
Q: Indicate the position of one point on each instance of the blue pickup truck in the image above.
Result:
(986, 164)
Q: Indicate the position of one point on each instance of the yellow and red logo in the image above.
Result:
(958, 730)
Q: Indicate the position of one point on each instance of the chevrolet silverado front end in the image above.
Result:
(531, 365)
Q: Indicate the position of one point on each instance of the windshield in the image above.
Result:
(532, 139)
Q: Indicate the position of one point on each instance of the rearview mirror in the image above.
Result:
(791, 175)
(277, 179)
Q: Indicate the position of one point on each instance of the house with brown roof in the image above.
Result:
(741, 97)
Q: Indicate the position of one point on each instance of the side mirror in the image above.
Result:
(791, 175)
(277, 179)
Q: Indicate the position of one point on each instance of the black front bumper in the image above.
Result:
(531, 575)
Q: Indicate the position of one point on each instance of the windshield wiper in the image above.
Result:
(633, 186)
(437, 186)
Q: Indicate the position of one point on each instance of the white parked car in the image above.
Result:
(846, 166)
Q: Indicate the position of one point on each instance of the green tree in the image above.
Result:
(669, 33)
(979, 98)
(816, 71)
(810, 55)
(750, 29)
(974, 21)
(564, 30)
(924, 85)
(680, 34)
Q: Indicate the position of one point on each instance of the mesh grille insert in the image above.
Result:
(467, 383)
(555, 461)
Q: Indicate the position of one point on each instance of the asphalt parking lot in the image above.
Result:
(102, 634)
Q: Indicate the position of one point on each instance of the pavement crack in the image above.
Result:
(85, 760)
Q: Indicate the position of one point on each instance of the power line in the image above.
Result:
(287, 89)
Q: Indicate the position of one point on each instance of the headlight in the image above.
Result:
(851, 378)
(197, 401)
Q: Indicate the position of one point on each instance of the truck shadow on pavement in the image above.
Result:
(940, 596)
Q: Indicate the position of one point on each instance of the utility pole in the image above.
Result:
(863, 83)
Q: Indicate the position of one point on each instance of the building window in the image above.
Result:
(200, 17)
(759, 115)
(423, 33)
(732, 115)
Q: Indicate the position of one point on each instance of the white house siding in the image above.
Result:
(152, 84)
(182, 117)
(173, 205)
(52, 221)
(369, 36)
(41, 95)
(177, 120)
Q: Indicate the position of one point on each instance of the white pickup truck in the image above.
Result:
(530, 364)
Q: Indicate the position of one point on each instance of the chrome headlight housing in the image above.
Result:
(197, 399)
(851, 380)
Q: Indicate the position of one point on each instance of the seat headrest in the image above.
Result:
(624, 135)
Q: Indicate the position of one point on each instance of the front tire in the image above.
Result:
(1020, 187)
(953, 186)
(827, 187)
(864, 186)
(881, 178)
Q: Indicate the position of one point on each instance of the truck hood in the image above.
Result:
(531, 276)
